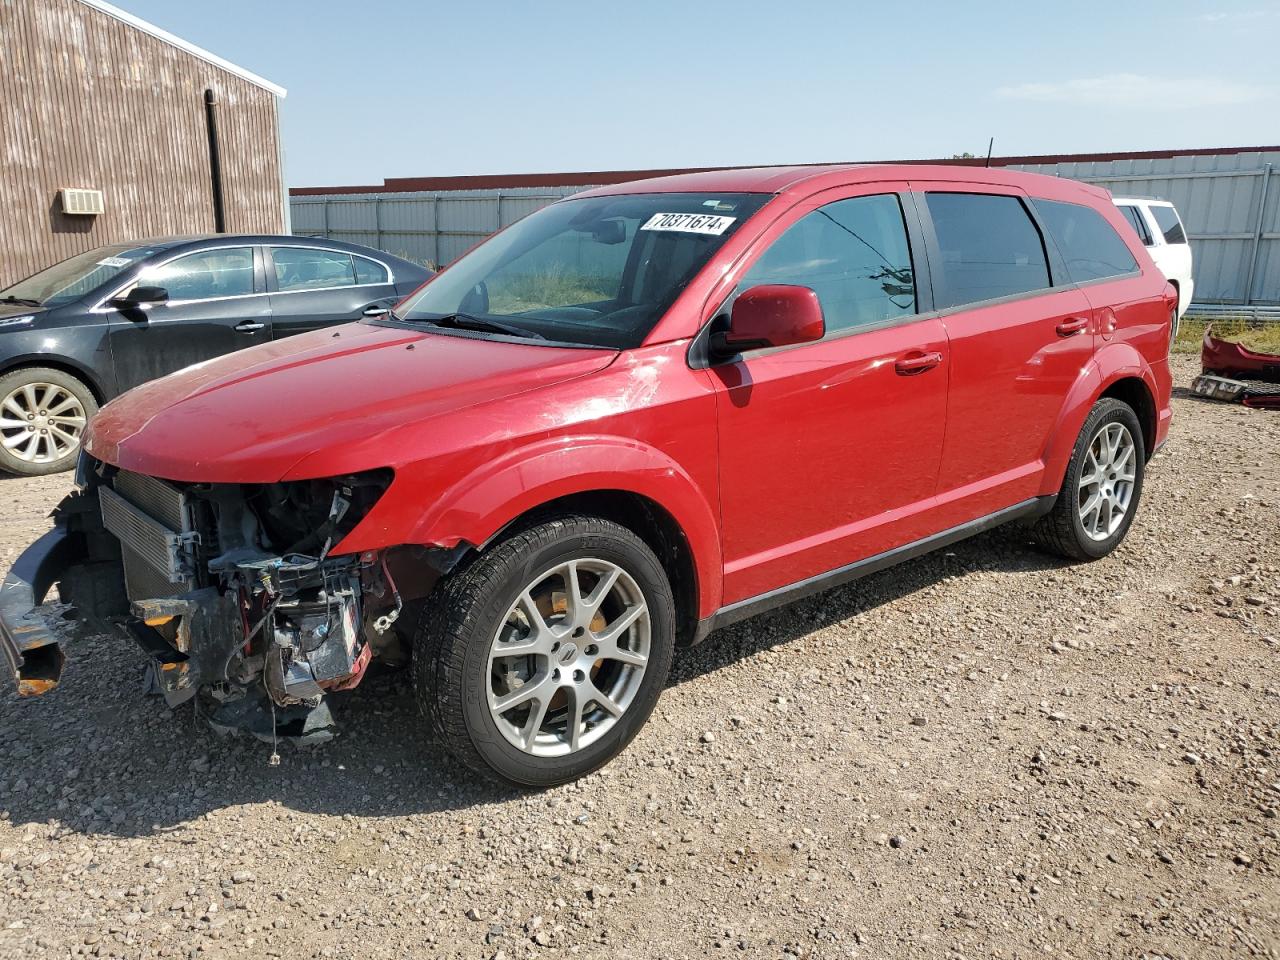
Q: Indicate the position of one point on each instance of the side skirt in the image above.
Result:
(750, 607)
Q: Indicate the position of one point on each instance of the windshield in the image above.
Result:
(73, 278)
(598, 270)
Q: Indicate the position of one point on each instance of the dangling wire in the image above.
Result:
(384, 622)
(274, 761)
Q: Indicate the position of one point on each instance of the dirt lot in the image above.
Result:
(985, 753)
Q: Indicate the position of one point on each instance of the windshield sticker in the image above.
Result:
(114, 262)
(689, 223)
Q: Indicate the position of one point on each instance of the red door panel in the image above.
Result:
(1012, 365)
(828, 452)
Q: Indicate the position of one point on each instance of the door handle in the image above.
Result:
(250, 326)
(914, 363)
(1072, 326)
(375, 310)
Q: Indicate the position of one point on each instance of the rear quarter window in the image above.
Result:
(367, 271)
(1169, 224)
(1088, 243)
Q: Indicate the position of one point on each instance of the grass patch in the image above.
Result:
(1262, 336)
(554, 287)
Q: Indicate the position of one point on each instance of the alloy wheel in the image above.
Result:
(41, 422)
(1106, 481)
(568, 658)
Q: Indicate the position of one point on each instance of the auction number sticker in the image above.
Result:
(114, 262)
(689, 223)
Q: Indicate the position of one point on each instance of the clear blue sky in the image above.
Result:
(392, 88)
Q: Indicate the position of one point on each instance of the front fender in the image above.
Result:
(481, 504)
(1112, 363)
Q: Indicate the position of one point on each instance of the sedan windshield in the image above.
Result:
(73, 278)
(599, 271)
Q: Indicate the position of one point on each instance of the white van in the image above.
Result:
(1160, 229)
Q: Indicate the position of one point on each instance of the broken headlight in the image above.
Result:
(309, 516)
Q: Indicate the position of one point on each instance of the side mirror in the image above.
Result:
(771, 315)
(140, 297)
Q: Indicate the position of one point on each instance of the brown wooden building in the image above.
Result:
(163, 137)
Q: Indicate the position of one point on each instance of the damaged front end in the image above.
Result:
(230, 589)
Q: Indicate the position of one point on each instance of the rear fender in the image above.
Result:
(1112, 363)
(481, 505)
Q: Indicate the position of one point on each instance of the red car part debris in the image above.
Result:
(1229, 359)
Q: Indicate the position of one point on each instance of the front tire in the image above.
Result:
(1103, 485)
(540, 661)
(43, 414)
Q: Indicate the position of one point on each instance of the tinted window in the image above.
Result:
(1090, 246)
(1169, 224)
(853, 254)
(989, 246)
(199, 276)
(1139, 222)
(369, 272)
(299, 268)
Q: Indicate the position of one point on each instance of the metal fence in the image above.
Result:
(1230, 206)
(434, 228)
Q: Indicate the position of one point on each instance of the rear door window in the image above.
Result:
(989, 246)
(1169, 224)
(1138, 222)
(854, 254)
(1090, 246)
(303, 268)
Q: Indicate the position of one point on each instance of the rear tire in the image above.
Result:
(1102, 488)
(514, 674)
(43, 415)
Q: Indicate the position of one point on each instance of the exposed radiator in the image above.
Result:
(156, 498)
(154, 565)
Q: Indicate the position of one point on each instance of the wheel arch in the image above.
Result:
(646, 518)
(1118, 370)
(621, 479)
(1134, 391)
(61, 364)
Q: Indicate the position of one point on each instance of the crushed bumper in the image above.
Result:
(1230, 359)
(30, 635)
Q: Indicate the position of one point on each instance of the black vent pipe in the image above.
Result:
(215, 161)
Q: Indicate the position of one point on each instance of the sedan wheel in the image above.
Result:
(43, 415)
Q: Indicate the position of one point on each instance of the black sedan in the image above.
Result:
(84, 330)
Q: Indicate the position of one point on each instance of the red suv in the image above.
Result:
(636, 415)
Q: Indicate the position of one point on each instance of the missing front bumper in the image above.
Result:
(31, 634)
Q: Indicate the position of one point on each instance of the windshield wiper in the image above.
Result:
(25, 301)
(465, 321)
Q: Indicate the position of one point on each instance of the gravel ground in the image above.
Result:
(984, 753)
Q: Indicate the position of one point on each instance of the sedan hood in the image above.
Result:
(14, 312)
(251, 416)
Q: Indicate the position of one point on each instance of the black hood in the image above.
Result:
(19, 310)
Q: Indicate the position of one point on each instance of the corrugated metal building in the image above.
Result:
(1228, 198)
(94, 99)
